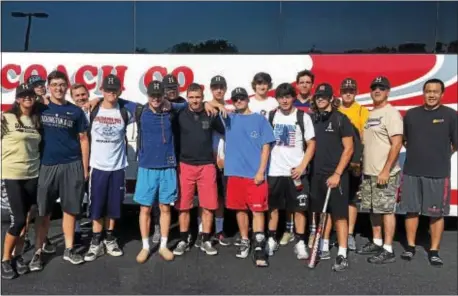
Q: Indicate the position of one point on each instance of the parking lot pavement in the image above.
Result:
(197, 273)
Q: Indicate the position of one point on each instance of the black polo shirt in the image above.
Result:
(196, 136)
(329, 148)
(429, 135)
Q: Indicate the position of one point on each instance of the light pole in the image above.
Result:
(29, 16)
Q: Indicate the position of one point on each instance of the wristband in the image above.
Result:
(338, 174)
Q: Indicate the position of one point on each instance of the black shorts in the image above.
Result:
(221, 182)
(354, 186)
(283, 194)
(338, 201)
(64, 181)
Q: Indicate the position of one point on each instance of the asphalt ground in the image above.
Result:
(197, 273)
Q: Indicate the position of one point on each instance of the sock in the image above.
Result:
(184, 236)
(109, 235)
(77, 226)
(205, 237)
(343, 252)
(325, 245)
(96, 238)
(433, 253)
(289, 226)
(389, 248)
(145, 242)
(163, 242)
(301, 236)
(219, 225)
(378, 241)
(410, 249)
(272, 234)
(199, 221)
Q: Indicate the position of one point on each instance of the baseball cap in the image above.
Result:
(111, 82)
(155, 89)
(239, 92)
(381, 81)
(218, 80)
(169, 81)
(324, 90)
(348, 83)
(23, 89)
(33, 79)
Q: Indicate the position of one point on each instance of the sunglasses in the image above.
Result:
(381, 88)
(322, 98)
(236, 99)
(348, 91)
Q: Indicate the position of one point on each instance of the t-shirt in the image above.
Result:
(20, 148)
(176, 127)
(357, 114)
(288, 150)
(245, 137)
(429, 135)
(329, 147)
(382, 124)
(196, 133)
(62, 125)
(108, 145)
(262, 107)
(302, 106)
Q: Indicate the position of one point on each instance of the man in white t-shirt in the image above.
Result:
(108, 161)
(291, 154)
(261, 103)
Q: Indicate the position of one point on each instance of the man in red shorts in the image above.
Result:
(248, 141)
(197, 167)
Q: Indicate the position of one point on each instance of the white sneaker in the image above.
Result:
(113, 248)
(301, 250)
(94, 252)
(286, 238)
(272, 246)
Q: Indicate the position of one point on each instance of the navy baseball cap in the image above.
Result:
(35, 79)
(155, 89)
(169, 81)
(381, 81)
(324, 90)
(111, 83)
(218, 80)
(24, 89)
(239, 92)
(349, 83)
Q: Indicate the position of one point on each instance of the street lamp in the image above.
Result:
(29, 16)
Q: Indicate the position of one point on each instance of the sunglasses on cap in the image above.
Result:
(236, 99)
(348, 91)
(323, 98)
(380, 87)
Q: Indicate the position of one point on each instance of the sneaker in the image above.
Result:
(272, 246)
(8, 272)
(370, 249)
(383, 257)
(351, 243)
(166, 254)
(36, 264)
(157, 234)
(181, 248)
(142, 256)
(286, 238)
(27, 244)
(222, 239)
(260, 257)
(48, 247)
(113, 248)
(198, 242)
(435, 260)
(408, 254)
(340, 264)
(94, 252)
(325, 255)
(21, 267)
(243, 249)
(237, 240)
(208, 248)
(311, 239)
(301, 251)
(73, 257)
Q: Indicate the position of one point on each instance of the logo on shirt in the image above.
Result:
(69, 113)
(205, 124)
(329, 128)
(263, 112)
(372, 122)
(170, 160)
(254, 134)
(302, 200)
(438, 120)
(285, 135)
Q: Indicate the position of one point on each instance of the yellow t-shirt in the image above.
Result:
(357, 114)
(20, 148)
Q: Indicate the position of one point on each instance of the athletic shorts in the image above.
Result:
(64, 181)
(425, 196)
(354, 187)
(338, 200)
(284, 195)
(156, 186)
(244, 194)
(106, 193)
(380, 199)
(221, 181)
(202, 176)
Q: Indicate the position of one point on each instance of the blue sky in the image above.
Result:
(255, 27)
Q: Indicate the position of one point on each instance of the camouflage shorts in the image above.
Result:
(379, 199)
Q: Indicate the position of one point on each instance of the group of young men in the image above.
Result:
(256, 155)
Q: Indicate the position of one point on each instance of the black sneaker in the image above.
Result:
(408, 253)
(243, 249)
(21, 267)
(341, 263)
(48, 247)
(260, 256)
(383, 257)
(27, 244)
(369, 249)
(36, 264)
(8, 272)
(237, 239)
(435, 260)
(71, 256)
(221, 239)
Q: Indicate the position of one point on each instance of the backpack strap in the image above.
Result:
(92, 116)
(300, 122)
(271, 117)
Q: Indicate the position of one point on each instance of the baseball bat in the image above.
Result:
(319, 231)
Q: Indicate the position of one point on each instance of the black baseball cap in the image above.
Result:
(111, 83)
(218, 80)
(349, 83)
(35, 79)
(155, 89)
(169, 81)
(381, 81)
(324, 90)
(24, 89)
(239, 92)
